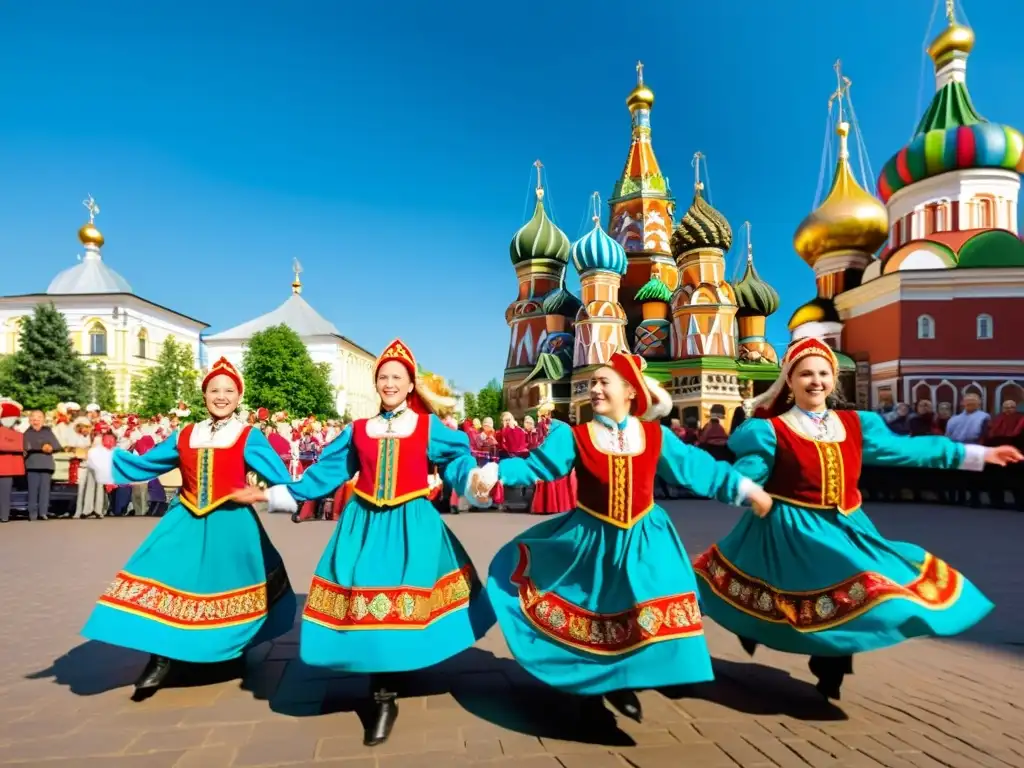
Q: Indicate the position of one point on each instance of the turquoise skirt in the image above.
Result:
(590, 608)
(393, 592)
(822, 583)
(198, 589)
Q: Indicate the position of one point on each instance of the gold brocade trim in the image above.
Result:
(198, 511)
(604, 518)
(832, 480)
(807, 505)
(620, 488)
(378, 502)
(185, 610)
(401, 607)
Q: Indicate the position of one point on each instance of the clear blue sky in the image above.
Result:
(389, 146)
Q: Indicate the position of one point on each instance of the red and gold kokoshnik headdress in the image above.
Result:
(224, 367)
(421, 400)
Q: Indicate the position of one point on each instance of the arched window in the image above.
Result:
(143, 339)
(925, 327)
(97, 340)
(985, 212)
(984, 327)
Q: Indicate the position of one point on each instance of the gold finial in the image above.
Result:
(750, 245)
(841, 92)
(698, 185)
(955, 41)
(595, 200)
(639, 73)
(89, 235)
(540, 186)
(297, 283)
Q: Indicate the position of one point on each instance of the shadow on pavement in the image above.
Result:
(757, 689)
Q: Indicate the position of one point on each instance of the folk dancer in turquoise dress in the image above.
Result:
(206, 584)
(394, 590)
(602, 600)
(815, 576)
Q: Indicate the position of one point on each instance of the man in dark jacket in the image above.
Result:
(40, 445)
(12, 454)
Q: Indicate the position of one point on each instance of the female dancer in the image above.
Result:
(207, 583)
(602, 600)
(392, 565)
(815, 576)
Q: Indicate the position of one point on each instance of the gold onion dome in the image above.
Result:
(641, 97)
(89, 235)
(817, 310)
(701, 227)
(849, 219)
(954, 39)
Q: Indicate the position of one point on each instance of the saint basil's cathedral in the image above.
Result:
(917, 289)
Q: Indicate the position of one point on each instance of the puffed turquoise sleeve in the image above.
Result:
(263, 459)
(336, 466)
(753, 443)
(120, 467)
(884, 448)
(551, 460)
(449, 449)
(697, 471)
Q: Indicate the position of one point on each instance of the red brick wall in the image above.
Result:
(874, 334)
(956, 329)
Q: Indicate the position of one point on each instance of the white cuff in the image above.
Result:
(747, 487)
(487, 476)
(101, 461)
(280, 499)
(974, 458)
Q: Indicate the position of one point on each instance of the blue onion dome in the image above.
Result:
(596, 250)
(561, 302)
(701, 227)
(539, 238)
(654, 290)
(754, 297)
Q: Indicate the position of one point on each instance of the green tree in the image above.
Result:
(99, 387)
(6, 375)
(469, 406)
(490, 401)
(46, 370)
(172, 380)
(280, 375)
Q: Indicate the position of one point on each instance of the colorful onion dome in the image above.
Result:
(951, 135)
(817, 310)
(561, 302)
(849, 219)
(539, 238)
(754, 296)
(654, 290)
(701, 227)
(596, 250)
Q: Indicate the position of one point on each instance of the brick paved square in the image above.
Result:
(925, 704)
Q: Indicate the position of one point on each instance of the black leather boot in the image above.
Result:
(385, 701)
(750, 646)
(626, 703)
(154, 675)
(830, 671)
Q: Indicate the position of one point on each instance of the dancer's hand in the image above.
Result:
(1001, 455)
(249, 495)
(760, 502)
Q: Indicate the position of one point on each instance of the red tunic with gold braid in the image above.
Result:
(618, 489)
(209, 476)
(816, 474)
(392, 469)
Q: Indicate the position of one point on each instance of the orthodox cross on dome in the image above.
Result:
(92, 208)
(750, 244)
(297, 283)
(951, 12)
(639, 73)
(698, 185)
(595, 204)
(540, 186)
(842, 90)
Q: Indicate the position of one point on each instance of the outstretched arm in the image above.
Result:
(883, 448)
(551, 460)
(697, 471)
(120, 467)
(336, 467)
(450, 450)
(264, 461)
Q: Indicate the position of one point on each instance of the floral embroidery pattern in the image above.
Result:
(618, 489)
(185, 609)
(937, 586)
(664, 618)
(832, 474)
(403, 607)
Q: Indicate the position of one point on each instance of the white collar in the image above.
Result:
(203, 435)
(829, 430)
(607, 439)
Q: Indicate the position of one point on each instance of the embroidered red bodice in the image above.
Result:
(817, 474)
(392, 470)
(617, 489)
(210, 475)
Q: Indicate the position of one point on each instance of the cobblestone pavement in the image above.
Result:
(923, 705)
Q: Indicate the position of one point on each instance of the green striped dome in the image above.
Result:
(539, 238)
